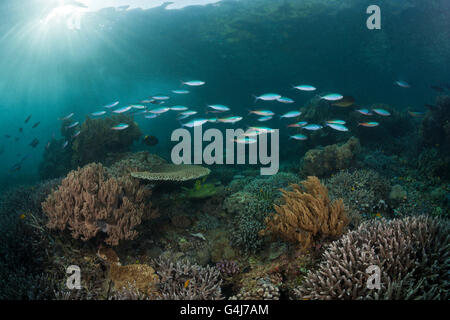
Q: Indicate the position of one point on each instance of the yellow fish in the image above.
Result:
(378, 215)
(22, 216)
(186, 283)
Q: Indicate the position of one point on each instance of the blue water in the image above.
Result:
(239, 48)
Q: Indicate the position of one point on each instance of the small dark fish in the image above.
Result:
(48, 145)
(16, 139)
(34, 143)
(7, 136)
(438, 89)
(25, 157)
(16, 167)
(430, 106)
(36, 124)
(28, 118)
(21, 130)
(150, 140)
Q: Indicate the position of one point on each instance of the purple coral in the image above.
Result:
(228, 268)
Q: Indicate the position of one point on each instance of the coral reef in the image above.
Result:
(435, 127)
(412, 254)
(363, 191)
(96, 139)
(324, 161)
(182, 280)
(90, 201)
(306, 215)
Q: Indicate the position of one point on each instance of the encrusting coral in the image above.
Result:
(412, 254)
(90, 201)
(306, 215)
(323, 162)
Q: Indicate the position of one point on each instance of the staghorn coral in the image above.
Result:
(306, 215)
(182, 280)
(172, 172)
(89, 200)
(412, 254)
(324, 161)
(228, 268)
(96, 139)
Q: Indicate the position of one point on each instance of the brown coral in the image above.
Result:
(305, 215)
(323, 162)
(89, 200)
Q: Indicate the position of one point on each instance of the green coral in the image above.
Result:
(200, 190)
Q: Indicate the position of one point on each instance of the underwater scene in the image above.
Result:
(224, 150)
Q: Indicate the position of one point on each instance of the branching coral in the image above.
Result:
(412, 253)
(322, 162)
(306, 215)
(89, 200)
(182, 280)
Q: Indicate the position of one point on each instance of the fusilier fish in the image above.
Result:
(337, 126)
(368, 124)
(305, 87)
(332, 97)
(298, 136)
(123, 109)
(382, 112)
(291, 114)
(268, 97)
(312, 127)
(120, 126)
(111, 105)
(219, 107)
(230, 119)
(194, 83)
(98, 113)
